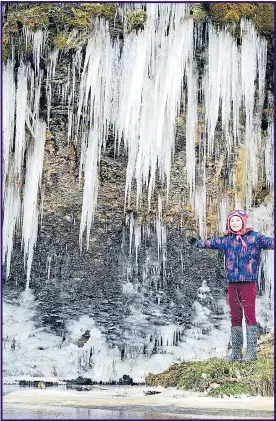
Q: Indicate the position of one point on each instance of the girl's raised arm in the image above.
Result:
(264, 242)
(212, 243)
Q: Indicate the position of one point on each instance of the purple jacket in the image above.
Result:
(241, 265)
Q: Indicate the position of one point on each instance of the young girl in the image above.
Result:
(242, 248)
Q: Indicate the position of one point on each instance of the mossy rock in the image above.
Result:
(198, 13)
(264, 18)
(60, 15)
(261, 14)
(84, 12)
(33, 18)
(219, 376)
(68, 24)
(136, 20)
(170, 377)
(269, 113)
(260, 193)
(230, 12)
(232, 389)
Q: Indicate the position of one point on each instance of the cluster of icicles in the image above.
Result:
(134, 87)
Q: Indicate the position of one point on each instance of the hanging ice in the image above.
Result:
(261, 218)
(134, 88)
(223, 212)
(51, 69)
(8, 115)
(94, 110)
(16, 103)
(221, 86)
(11, 178)
(30, 203)
(12, 206)
(153, 66)
(90, 186)
(23, 99)
(21, 111)
(229, 85)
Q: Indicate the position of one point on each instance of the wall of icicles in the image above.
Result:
(138, 87)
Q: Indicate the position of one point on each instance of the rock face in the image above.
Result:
(68, 284)
(107, 282)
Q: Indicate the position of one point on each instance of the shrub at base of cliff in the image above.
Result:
(219, 377)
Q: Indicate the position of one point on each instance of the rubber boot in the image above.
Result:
(237, 343)
(251, 338)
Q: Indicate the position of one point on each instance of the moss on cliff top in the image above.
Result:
(264, 18)
(221, 377)
(69, 25)
(231, 12)
(61, 15)
(62, 20)
(261, 14)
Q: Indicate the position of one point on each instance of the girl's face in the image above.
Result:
(235, 223)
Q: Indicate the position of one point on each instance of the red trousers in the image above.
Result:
(242, 297)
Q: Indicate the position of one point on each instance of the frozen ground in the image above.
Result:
(131, 402)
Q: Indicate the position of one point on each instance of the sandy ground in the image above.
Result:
(170, 398)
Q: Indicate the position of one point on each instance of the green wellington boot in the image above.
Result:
(251, 338)
(237, 343)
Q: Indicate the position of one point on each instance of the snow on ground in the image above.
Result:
(135, 395)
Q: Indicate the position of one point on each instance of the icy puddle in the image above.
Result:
(112, 402)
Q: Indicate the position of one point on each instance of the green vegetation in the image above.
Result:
(264, 18)
(136, 20)
(262, 15)
(219, 377)
(231, 12)
(260, 192)
(68, 24)
(231, 389)
(63, 16)
(198, 12)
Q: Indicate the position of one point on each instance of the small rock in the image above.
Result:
(151, 392)
(85, 337)
(80, 381)
(214, 385)
(126, 380)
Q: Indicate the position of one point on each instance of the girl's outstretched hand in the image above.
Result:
(193, 240)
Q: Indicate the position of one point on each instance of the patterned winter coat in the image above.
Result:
(241, 265)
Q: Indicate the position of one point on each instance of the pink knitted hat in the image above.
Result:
(241, 214)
